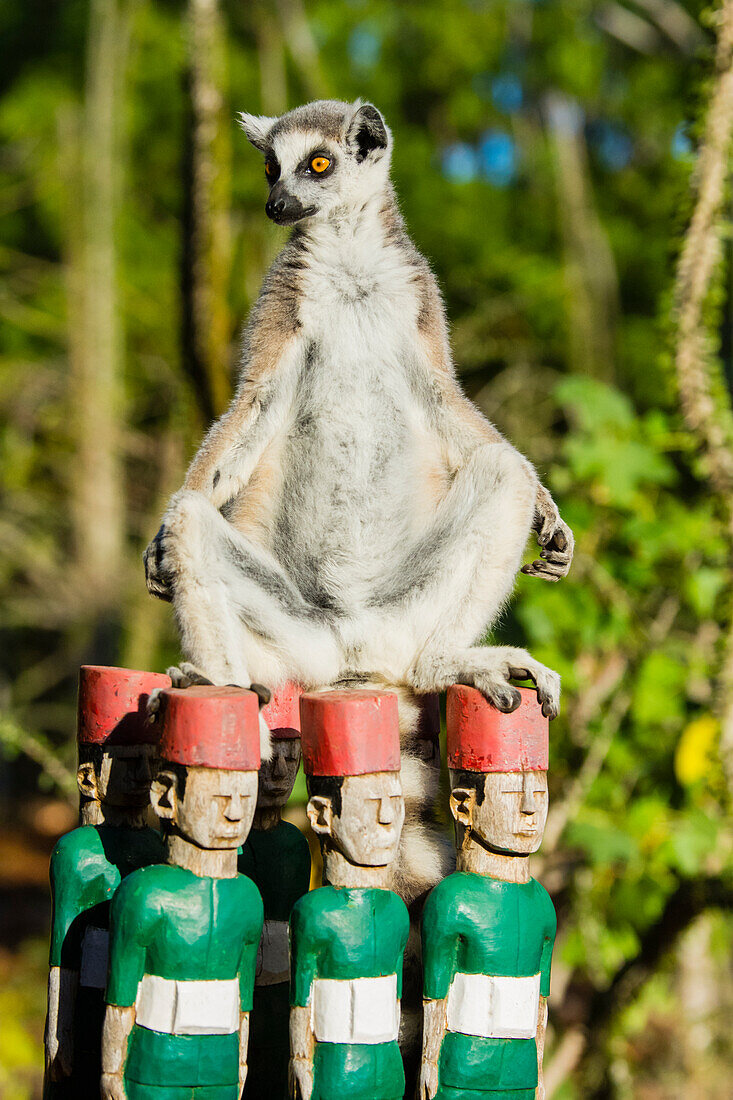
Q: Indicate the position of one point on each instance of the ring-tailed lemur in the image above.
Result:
(353, 515)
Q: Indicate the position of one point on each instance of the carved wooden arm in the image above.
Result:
(302, 1046)
(435, 1022)
(118, 1023)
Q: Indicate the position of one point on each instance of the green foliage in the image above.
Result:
(22, 1006)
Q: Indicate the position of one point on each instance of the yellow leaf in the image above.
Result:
(694, 754)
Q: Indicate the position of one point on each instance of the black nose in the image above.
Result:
(275, 209)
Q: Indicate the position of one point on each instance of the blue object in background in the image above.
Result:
(611, 143)
(507, 92)
(681, 145)
(459, 162)
(497, 153)
(365, 47)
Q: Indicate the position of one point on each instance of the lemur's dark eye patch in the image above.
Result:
(272, 170)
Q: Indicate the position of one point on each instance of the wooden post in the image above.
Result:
(347, 939)
(488, 930)
(116, 749)
(184, 936)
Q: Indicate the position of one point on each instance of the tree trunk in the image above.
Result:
(207, 325)
(590, 270)
(95, 344)
(704, 397)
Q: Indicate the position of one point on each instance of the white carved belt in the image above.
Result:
(273, 955)
(494, 1007)
(187, 1007)
(94, 956)
(360, 1010)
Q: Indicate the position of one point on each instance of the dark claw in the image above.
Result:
(263, 694)
(160, 593)
(507, 703)
(516, 700)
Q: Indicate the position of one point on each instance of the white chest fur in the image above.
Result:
(350, 457)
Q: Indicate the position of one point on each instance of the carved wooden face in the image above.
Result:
(123, 778)
(512, 816)
(367, 830)
(277, 775)
(214, 811)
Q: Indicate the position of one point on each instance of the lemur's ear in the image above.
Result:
(367, 132)
(256, 127)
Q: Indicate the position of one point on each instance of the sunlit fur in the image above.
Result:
(352, 517)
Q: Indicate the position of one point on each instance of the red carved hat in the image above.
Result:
(210, 727)
(112, 704)
(482, 739)
(282, 713)
(349, 732)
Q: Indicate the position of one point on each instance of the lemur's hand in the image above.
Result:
(158, 579)
(555, 538)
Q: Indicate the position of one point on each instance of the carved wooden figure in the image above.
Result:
(277, 858)
(116, 749)
(347, 939)
(488, 930)
(184, 936)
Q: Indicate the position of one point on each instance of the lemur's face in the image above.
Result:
(321, 160)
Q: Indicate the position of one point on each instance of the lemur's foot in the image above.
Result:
(508, 663)
(158, 578)
(556, 540)
(187, 675)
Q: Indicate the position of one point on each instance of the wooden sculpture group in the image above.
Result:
(193, 962)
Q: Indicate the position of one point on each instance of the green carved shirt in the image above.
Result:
(344, 934)
(171, 923)
(473, 924)
(87, 866)
(279, 863)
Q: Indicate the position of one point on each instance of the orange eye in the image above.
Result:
(320, 164)
(271, 170)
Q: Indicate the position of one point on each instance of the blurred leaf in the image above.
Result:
(694, 753)
(603, 844)
(594, 405)
(659, 690)
(693, 841)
